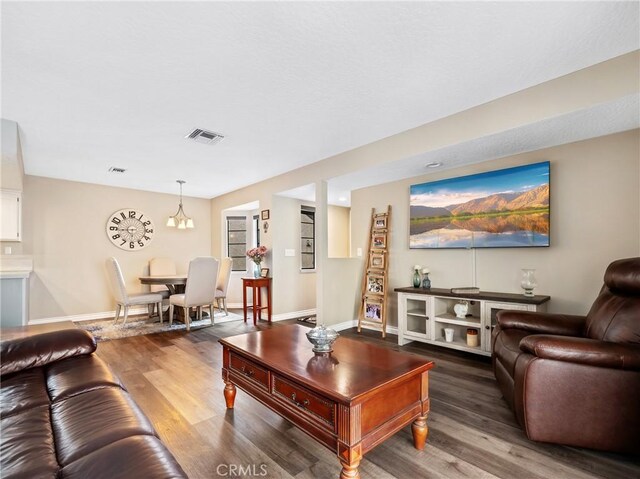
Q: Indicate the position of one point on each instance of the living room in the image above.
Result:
(580, 113)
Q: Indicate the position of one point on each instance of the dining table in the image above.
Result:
(175, 283)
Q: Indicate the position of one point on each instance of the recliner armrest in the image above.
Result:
(591, 352)
(42, 349)
(542, 323)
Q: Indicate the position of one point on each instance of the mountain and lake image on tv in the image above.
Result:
(498, 209)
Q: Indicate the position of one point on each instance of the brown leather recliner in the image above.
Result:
(575, 380)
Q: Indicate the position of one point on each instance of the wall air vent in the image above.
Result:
(115, 169)
(204, 136)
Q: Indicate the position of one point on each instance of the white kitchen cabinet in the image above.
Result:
(10, 215)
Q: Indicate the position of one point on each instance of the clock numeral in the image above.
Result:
(140, 243)
(147, 223)
(113, 228)
(115, 237)
(115, 220)
(132, 214)
(132, 245)
(123, 215)
(146, 237)
(148, 231)
(123, 242)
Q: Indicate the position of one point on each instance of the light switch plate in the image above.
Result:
(7, 250)
(359, 252)
(289, 252)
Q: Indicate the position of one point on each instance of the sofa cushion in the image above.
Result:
(138, 456)
(22, 391)
(88, 421)
(27, 445)
(42, 349)
(82, 374)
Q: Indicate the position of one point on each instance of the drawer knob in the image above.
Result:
(302, 404)
(249, 372)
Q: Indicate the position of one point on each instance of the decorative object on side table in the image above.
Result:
(322, 339)
(257, 255)
(528, 281)
(416, 276)
(426, 282)
(461, 309)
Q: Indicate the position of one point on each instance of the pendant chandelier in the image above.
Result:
(180, 219)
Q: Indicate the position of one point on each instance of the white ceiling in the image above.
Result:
(97, 84)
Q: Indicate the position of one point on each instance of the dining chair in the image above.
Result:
(124, 299)
(159, 267)
(224, 276)
(200, 290)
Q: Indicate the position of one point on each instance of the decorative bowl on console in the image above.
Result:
(322, 339)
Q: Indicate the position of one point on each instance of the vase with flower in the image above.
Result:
(257, 255)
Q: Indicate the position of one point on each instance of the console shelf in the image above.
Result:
(423, 315)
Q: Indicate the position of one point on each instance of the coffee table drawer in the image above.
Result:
(249, 370)
(304, 400)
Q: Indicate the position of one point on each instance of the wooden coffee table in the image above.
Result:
(350, 400)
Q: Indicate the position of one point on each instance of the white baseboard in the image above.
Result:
(87, 316)
(111, 315)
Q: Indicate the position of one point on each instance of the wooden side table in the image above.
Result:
(256, 285)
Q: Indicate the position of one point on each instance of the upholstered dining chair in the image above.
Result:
(200, 291)
(158, 267)
(124, 299)
(224, 276)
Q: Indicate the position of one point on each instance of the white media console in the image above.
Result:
(423, 315)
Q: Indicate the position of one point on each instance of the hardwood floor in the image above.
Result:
(176, 379)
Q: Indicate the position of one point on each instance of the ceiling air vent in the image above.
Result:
(115, 169)
(204, 136)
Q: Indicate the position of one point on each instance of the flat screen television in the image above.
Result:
(498, 209)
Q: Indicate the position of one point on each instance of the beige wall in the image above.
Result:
(595, 218)
(64, 230)
(293, 289)
(338, 231)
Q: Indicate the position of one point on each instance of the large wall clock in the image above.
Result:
(130, 229)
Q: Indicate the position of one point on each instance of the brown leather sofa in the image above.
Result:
(575, 380)
(63, 414)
